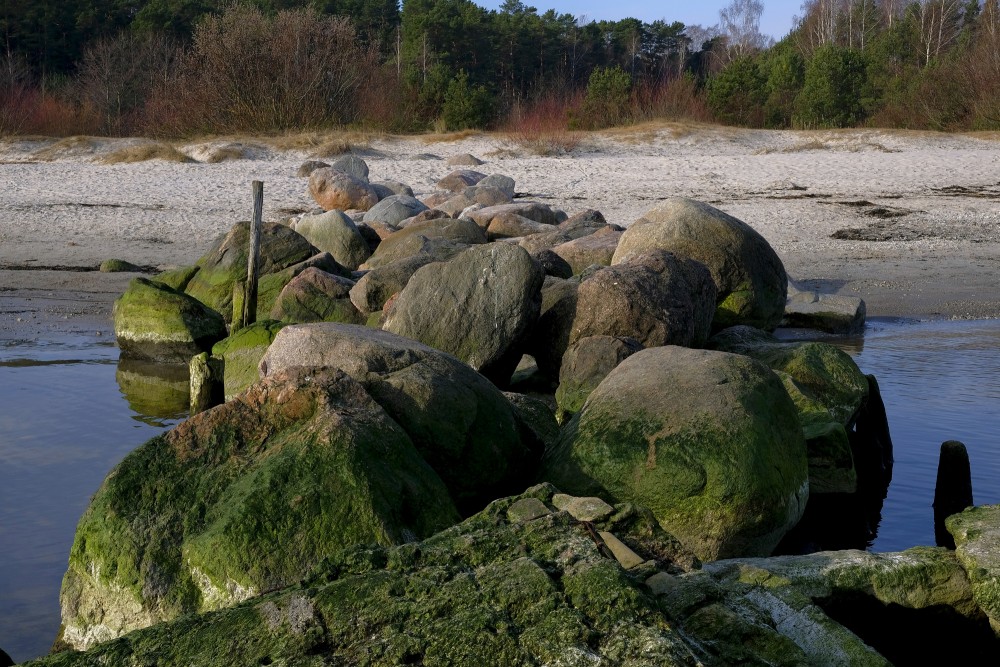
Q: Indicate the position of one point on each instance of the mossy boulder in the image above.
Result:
(479, 307)
(977, 545)
(751, 280)
(226, 263)
(654, 298)
(157, 323)
(460, 422)
(710, 442)
(272, 285)
(176, 278)
(241, 353)
(316, 296)
(245, 498)
(586, 363)
(119, 266)
(335, 233)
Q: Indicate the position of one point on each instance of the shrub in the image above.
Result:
(834, 89)
(736, 95)
(785, 78)
(466, 106)
(608, 98)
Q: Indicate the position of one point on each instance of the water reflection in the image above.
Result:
(157, 393)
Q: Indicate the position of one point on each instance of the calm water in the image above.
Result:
(69, 413)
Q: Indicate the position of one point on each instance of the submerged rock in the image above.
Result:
(710, 442)
(245, 498)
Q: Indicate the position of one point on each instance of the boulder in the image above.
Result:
(536, 419)
(119, 266)
(655, 298)
(750, 277)
(353, 165)
(833, 313)
(460, 179)
(316, 296)
(588, 219)
(549, 338)
(388, 188)
(178, 278)
(241, 353)
(460, 423)
(226, 262)
(585, 364)
(977, 545)
(157, 323)
(333, 189)
(394, 209)
(709, 441)
(478, 306)
(244, 498)
(512, 225)
(335, 233)
(463, 160)
(271, 285)
(552, 264)
(424, 216)
(486, 195)
(374, 289)
(306, 169)
(504, 183)
(596, 248)
(530, 210)
(441, 239)
(451, 207)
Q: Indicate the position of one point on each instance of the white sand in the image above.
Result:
(58, 207)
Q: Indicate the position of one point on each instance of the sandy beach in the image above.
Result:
(906, 220)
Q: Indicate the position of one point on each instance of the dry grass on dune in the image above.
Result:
(65, 147)
(144, 152)
(445, 137)
(321, 144)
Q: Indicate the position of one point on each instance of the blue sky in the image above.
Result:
(777, 19)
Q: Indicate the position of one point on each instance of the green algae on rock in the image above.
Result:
(710, 442)
(977, 545)
(241, 353)
(157, 323)
(245, 498)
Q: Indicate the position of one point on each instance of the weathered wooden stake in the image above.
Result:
(953, 490)
(253, 258)
(239, 297)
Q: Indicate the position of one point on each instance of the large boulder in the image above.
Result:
(460, 423)
(394, 209)
(157, 323)
(333, 189)
(595, 248)
(531, 210)
(654, 298)
(441, 238)
(335, 233)
(245, 498)
(460, 179)
(512, 225)
(833, 313)
(709, 441)
(550, 336)
(353, 165)
(479, 307)
(241, 353)
(977, 545)
(750, 277)
(225, 263)
(374, 289)
(316, 296)
(585, 365)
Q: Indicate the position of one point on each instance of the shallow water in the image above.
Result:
(69, 412)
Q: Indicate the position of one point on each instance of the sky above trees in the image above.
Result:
(776, 21)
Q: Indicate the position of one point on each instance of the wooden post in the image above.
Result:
(239, 297)
(953, 490)
(253, 258)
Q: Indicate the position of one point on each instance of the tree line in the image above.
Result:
(181, 67)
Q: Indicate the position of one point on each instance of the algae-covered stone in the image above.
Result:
(119, 266)
(710, 442)
(977, 545)
(316, 296)
(751, 280)
(245, 498)
(156, 392)
(156, 323)
(176, 278)
(226, 263)
(586, 363)
(479, 307)
(460, 422)
(241, 353)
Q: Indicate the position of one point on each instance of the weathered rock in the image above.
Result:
(157, 323)
(584, 220)
(316, 296)
(835, 313)
(388, 188)
(487, 195)
(479, 306)
(596, 248)
(460, 423)
(335, 233)
(245, 498)
(505, 183)
(226, 263)
(464, 160)
(512, 225)
(552, 264)
(394, 209)
(654, 298)
(535, 415)
(977, 539)
(460, 179)
(441, 239)
(241, 353)
(176, 278)
(353, 165)
(271, 285)
(530, 210)
(308, 167)
(375, 288)
(719, 458)
(750, 277)
(206, 385)
(452, 206)
(549, 338)
(423, 216)
(586, 363)
(333, 189)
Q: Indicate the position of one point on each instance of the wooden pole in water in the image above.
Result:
(253, 258)
(953, 490)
